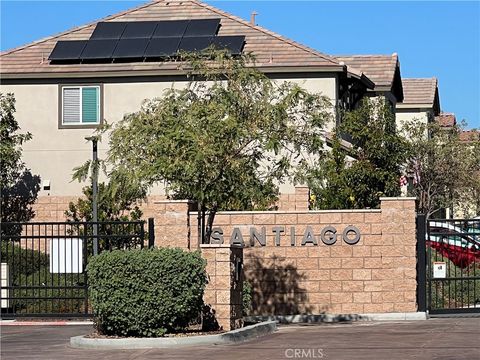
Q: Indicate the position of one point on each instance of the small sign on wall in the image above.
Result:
(439, 270)
(66, 256)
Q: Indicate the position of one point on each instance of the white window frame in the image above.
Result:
(81, 123)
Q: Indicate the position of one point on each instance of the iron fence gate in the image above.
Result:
(452, 259)
(43, 264)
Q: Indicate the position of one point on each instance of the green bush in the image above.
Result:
(247, 298)
(26, 261)
(146, 292)
(30, 271)
(43, 292)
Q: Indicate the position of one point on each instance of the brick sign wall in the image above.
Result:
(375, 275)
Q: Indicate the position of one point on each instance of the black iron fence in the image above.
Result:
(43, 264)
(453, 266)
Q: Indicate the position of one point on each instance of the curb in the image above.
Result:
(231, 337)
(43, 323)
(337, 318)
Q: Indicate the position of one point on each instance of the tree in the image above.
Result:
(116, 199)
(111, 206)
(18, 187)
(357, 172)
(445, 171)
(224, 141)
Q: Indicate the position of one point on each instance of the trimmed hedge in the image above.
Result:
(146, 293)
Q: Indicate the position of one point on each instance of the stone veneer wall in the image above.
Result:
(376, 275)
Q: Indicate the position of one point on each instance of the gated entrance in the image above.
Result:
(452, 256)
(43, 264)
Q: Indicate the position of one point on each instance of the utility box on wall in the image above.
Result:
(66, 256)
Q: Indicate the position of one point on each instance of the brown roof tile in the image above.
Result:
(446, 119)
(470, 135)
(270, 49)
(419, 91)
(379, 68)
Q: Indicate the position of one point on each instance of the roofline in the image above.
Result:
(77, 28)
(423, 79)
(160, 72)
(198, 3)
(266, 31)
(366, 80)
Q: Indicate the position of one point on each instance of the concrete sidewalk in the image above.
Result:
(453, 338)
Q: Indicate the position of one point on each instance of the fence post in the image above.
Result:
(151, 233)
(421, 263)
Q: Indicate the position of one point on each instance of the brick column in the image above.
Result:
(172, 222)
(302, 199)
(399, 254)
(223, 293)
(297, 201)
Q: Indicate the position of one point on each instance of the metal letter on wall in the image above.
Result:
(355, 231)
(308, 237)
(236, 238)
(329, 235)
(277, 230)
(260, 237)
(217, 235)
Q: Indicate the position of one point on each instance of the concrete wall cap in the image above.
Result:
(409, 198)
(173, 201)
(295, 212)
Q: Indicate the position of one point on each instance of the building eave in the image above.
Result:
(161, 72)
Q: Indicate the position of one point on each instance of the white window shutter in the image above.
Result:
(71, 105)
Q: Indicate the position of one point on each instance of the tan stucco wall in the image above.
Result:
(53, 152)
(407, 116)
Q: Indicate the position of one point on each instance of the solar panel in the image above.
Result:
(234, 44)
(99, 49)
(68, 50)
(198, 43)
(108, 30)
(130, 48)
(161, 47)
(175, 28)
(203, 27)
(139, 29)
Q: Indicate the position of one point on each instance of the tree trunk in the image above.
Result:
(199, 224)
(211, 217)
(203, 210)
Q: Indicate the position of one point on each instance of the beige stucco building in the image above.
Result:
(383, 70)
(46, 91)
(421, 101)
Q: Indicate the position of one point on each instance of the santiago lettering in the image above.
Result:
(328, 236)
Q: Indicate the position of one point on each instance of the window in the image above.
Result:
(80, 105)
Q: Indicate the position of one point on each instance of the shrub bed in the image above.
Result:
(146, 293)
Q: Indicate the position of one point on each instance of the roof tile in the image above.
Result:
(419, 91)
(379, 68)
(446, 119)
(270, 49)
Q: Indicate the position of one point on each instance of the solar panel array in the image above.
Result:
(145, 40)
